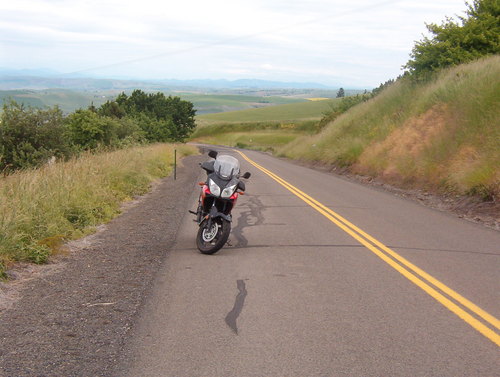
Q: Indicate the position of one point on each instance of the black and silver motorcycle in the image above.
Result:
(218, 197)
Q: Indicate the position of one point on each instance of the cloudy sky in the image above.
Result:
(357, 43)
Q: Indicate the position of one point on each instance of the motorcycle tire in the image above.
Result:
(209, 241)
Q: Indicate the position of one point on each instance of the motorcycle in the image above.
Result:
(218, 197)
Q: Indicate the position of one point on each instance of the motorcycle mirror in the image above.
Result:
(246, 175)
(212, 154)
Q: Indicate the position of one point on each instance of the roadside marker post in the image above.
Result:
(175, 164)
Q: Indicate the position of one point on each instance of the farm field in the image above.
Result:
(66, 100)
(266, 128)
(70, 100)
(307, 110)
(216, 103)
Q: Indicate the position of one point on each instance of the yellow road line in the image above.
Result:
(378, 249)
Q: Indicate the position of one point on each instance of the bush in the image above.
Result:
(30, 137)
(88, 130)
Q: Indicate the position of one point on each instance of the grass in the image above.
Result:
(264, 129)
(264, 136)
(263, 140)
(70, 100)
(41, 208)
(67, 100)
(211, 103)
(442, 135)
(309, 110)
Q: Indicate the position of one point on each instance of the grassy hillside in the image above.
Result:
(264, 128)
(70, 100)
(289, 112)
(443, 135)
(67, 100)
(211, 103)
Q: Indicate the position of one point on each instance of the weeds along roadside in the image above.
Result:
(440, 135)
(41, 208)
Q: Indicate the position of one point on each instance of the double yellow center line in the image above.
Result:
(429, 284)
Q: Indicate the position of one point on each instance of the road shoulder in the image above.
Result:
(71, 318)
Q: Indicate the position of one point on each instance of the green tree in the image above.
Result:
(341, 93)
(30, 137)
(88, 130)
(182, 114)
(475, 36)
(128, 130)
(154, 130)
(381, 87)
(168, 118)
(111, 109)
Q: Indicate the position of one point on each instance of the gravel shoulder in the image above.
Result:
(71, 317)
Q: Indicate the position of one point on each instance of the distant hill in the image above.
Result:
(67, 100)
(245, 84)
(44, 88)
(32, 79)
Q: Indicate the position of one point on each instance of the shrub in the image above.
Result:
(88, 130)
(30, 137)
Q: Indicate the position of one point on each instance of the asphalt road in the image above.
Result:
(398, 290)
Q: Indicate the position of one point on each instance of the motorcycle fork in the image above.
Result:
(210, 220)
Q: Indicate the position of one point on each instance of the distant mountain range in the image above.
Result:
(45, 79)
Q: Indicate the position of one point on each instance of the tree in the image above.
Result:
(88, 130)
(341, 93)
(30, 137)
(111, 109)
(381, 87)
(154, 130)
(477, 35)
(169, 118)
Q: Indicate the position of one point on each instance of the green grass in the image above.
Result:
(262, 129)
(41, 208)
(300, 111)
(265, 136)
(257, 140)
(70, 100)
(67, 100)
(442, 135)
(211, 103)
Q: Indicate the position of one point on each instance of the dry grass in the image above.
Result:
(42, 207)
(443, 135)
(399, 156)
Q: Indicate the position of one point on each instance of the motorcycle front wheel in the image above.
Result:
(210, 239)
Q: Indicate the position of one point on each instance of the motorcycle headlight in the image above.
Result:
(214, 189)
(228, 191)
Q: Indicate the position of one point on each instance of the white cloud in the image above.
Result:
(326, 40)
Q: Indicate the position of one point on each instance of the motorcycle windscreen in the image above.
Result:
(226, 167)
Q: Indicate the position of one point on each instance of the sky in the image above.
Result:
(357, 43)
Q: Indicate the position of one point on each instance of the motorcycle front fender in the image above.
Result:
(214, 214)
